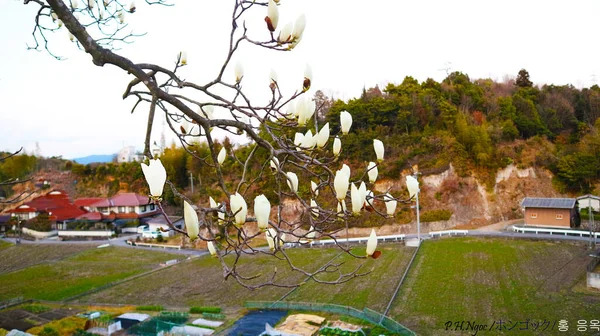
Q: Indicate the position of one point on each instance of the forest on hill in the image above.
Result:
(478, 126)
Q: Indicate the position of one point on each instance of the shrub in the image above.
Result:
(149, 308)
(435, 215)
(200, 310)
(48, 331)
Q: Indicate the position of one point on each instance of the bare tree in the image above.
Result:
(98, 27)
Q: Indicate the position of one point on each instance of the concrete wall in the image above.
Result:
(593, 280)
(548, 217)
(38, 234)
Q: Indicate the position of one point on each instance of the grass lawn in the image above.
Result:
(15, 257)
(78, 273)
(485, 280)
(4, 244)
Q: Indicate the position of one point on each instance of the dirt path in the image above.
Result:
(500, 226)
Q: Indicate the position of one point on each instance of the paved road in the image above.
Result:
(120, 241)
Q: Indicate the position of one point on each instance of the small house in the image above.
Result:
(559, 212)
(589, 201)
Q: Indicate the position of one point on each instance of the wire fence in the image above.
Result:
(366, 314)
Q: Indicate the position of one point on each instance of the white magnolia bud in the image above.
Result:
(372, 243)
(207, 111)
(91, 3)
(357, 203)
(315, 210)
(298, 138)
(71, 37)
(307, 78)
(369, 199)
(311, 234)
(239, 208)
(346, 169)
(190, 218)
(337, 146)
(74, 4)
(273, 77)
(379, 151)
(54, 17)
(59, 23)
(274, 163)
(121, 17)
(212, 202)
(390, 204)
(270, 235)
(372, 172)
(308, 142)
(299, 27)
(262, 210)
(322, 136)
(286, 33)
(341, 184)
(272, 16)
(413, 186)
(211, 248)
(239, 71)
(305, 111)
(183, 57)
(292, 181)
(156, 176)
(221, 156)
(345, 121)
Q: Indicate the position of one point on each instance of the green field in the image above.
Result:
(15, 257)
(79, 273)
(485, 280)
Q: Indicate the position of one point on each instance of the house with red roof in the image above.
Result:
(56, 204)
(121, 206)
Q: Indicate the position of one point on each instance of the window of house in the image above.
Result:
(151, 207)
(143, 208)
(121, 209)
(131, 209)
(559, 216)
(534, 215)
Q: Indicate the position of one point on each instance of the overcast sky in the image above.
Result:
(73, 108)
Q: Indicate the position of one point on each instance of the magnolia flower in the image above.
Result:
(54, 16)
(337, 146)
(378, 145)
(315, 206)
(190, 217)
(357, 202)
(314, 188)
(74, 4)
(286, 33)
(311, 234)
(298, 138)
(221, 216)
(185, 127)
(183, 57)
(221, 156)
(299, 27)
(346, 169)
(211, 248)
(371, 243)
(270, 235)
(345, 121)
(390, 204)
(101, 14)
(239, 208)
(372, 172)
(239, 71)
(341, 184)
(292, 181)
(272, 17)
(322, 136)
(305, 109)
(59, 23)
(413, 186)
(274, 163)
(307, 78)
(71, 37)
(362, 191)
(155, 175)
(91, 3)
(291, 110)
(308, 142)
(212, 202)
(262, 210)
(132, 7)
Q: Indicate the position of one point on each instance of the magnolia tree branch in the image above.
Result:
(280, 130)
(11, 182)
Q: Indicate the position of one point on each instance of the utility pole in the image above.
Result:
(191, 182)
(591, 222)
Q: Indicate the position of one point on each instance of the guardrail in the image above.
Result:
(358, 240)
(448, 233)
(157, 245)
(566, 232)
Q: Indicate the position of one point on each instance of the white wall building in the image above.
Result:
(129, 154)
